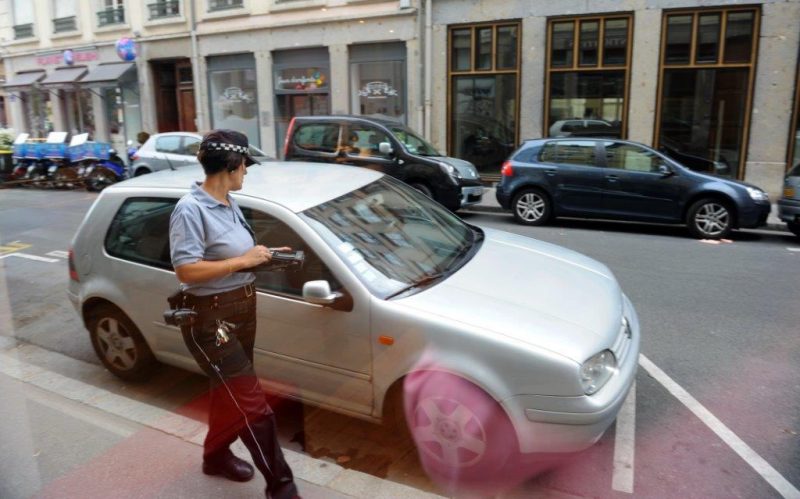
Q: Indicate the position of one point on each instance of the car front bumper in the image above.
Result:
(754, 215)
(789, 210)
(547, 424)
(471, 195)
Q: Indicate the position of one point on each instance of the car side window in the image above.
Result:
(273, 233)
(631, 157)
(139, 232)
(190, 146)
(569, 152)
(364, 141)
(320, 137)
(169, 144)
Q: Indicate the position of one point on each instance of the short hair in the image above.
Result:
(215, 161)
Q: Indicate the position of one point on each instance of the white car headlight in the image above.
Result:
(757, 194)
(596, 371)
(449, 169)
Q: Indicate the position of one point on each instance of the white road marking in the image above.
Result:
(759, 464)
(624, 439)
(794, 249)
(59, 254)
(31, 257)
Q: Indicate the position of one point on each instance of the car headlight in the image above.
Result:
(596, 371)
(450, 170)
(757, 194)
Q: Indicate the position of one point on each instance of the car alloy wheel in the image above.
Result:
(449, 432)
(119, 344)
(710, 219)
(531, 207)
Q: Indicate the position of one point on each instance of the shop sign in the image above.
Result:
(302, 79)
(47, 60)
(235, 94)
(377, 90)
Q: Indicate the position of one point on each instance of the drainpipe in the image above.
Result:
(200, 120)
(428, 67)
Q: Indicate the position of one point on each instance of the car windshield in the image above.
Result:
(413, 143)
(394, 239)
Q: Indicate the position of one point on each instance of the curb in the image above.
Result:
(771, 226)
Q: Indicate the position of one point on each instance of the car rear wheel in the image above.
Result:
(531, 207)
(794, 227)
(709, 219)
(119, 344)
(463, 436)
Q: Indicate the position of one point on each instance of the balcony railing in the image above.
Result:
(111, 16)
(215, 5)
(165, 8)
(23, 31)
(65, 24)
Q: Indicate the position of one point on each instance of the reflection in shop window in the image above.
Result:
(379, 89)
(233, 101)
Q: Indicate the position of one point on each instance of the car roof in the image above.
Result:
(573, 139)
(295, 185)
(350, 117)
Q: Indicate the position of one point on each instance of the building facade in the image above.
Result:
(714, 83)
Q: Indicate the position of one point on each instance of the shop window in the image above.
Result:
(706, 83)
(587, 86)
(484, 93)
(234, 102)
(794, 138)
(377, 80)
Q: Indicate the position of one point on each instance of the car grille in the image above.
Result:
(623, 343)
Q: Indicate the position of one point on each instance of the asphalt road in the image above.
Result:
(719, 328)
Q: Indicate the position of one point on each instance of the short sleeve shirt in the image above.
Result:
(202, 228)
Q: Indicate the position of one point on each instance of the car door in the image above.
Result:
(317, 142)
(169, 152)
(322, 354)
(636, 186)
(361, 147)
(573, 175)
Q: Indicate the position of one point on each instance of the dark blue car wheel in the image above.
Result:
(531, 207)
(710, 219)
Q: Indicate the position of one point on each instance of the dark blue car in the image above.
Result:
(622, 180)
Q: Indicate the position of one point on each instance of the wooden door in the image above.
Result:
(186, 109)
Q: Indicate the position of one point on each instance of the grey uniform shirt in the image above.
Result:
(202, 228)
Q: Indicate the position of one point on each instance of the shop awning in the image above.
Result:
(24, 79)
(64, 76)
(107, 74)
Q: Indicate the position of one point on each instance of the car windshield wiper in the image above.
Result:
(422, 281)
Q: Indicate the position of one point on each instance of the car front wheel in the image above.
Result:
(119, 344)
(709, 219)
(463, 436)
(794, 227)
(531, 207)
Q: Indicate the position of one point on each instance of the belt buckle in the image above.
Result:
(248, 290)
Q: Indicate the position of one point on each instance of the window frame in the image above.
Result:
(600, 66)
(332, 154)
(720, 64)
(366, 127)
(493, 71)
(605, 163)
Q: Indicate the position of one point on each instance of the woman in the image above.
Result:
(211, 243)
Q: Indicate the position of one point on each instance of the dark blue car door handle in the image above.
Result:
(550, 172)
(612, 178)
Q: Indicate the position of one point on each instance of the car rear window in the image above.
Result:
(169, 143)
(320, 137)
(139, 231)
(570, 152)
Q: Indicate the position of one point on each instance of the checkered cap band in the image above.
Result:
(221, 146)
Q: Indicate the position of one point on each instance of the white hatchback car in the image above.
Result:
(499, 338)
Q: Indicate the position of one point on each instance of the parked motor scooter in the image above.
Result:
(104, 172)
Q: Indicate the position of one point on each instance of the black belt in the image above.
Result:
(234, 296)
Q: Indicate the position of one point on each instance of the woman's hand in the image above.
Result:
(256, 256)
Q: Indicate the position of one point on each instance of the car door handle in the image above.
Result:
(613, 178)
(550, 172)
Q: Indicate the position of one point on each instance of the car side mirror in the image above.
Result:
(385, 148)
(665, 170)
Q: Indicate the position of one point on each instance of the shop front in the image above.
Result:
(30, 105)
(233, 96)
(71, 105)
(302, 86)
(377, 80)
(115, 86)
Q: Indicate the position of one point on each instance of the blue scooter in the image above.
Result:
(104, 172)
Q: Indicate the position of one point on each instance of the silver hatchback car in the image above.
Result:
(172, 150)
(486, 342)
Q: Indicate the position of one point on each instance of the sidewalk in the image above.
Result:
(489, 204)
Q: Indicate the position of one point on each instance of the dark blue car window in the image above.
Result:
(569, 152)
